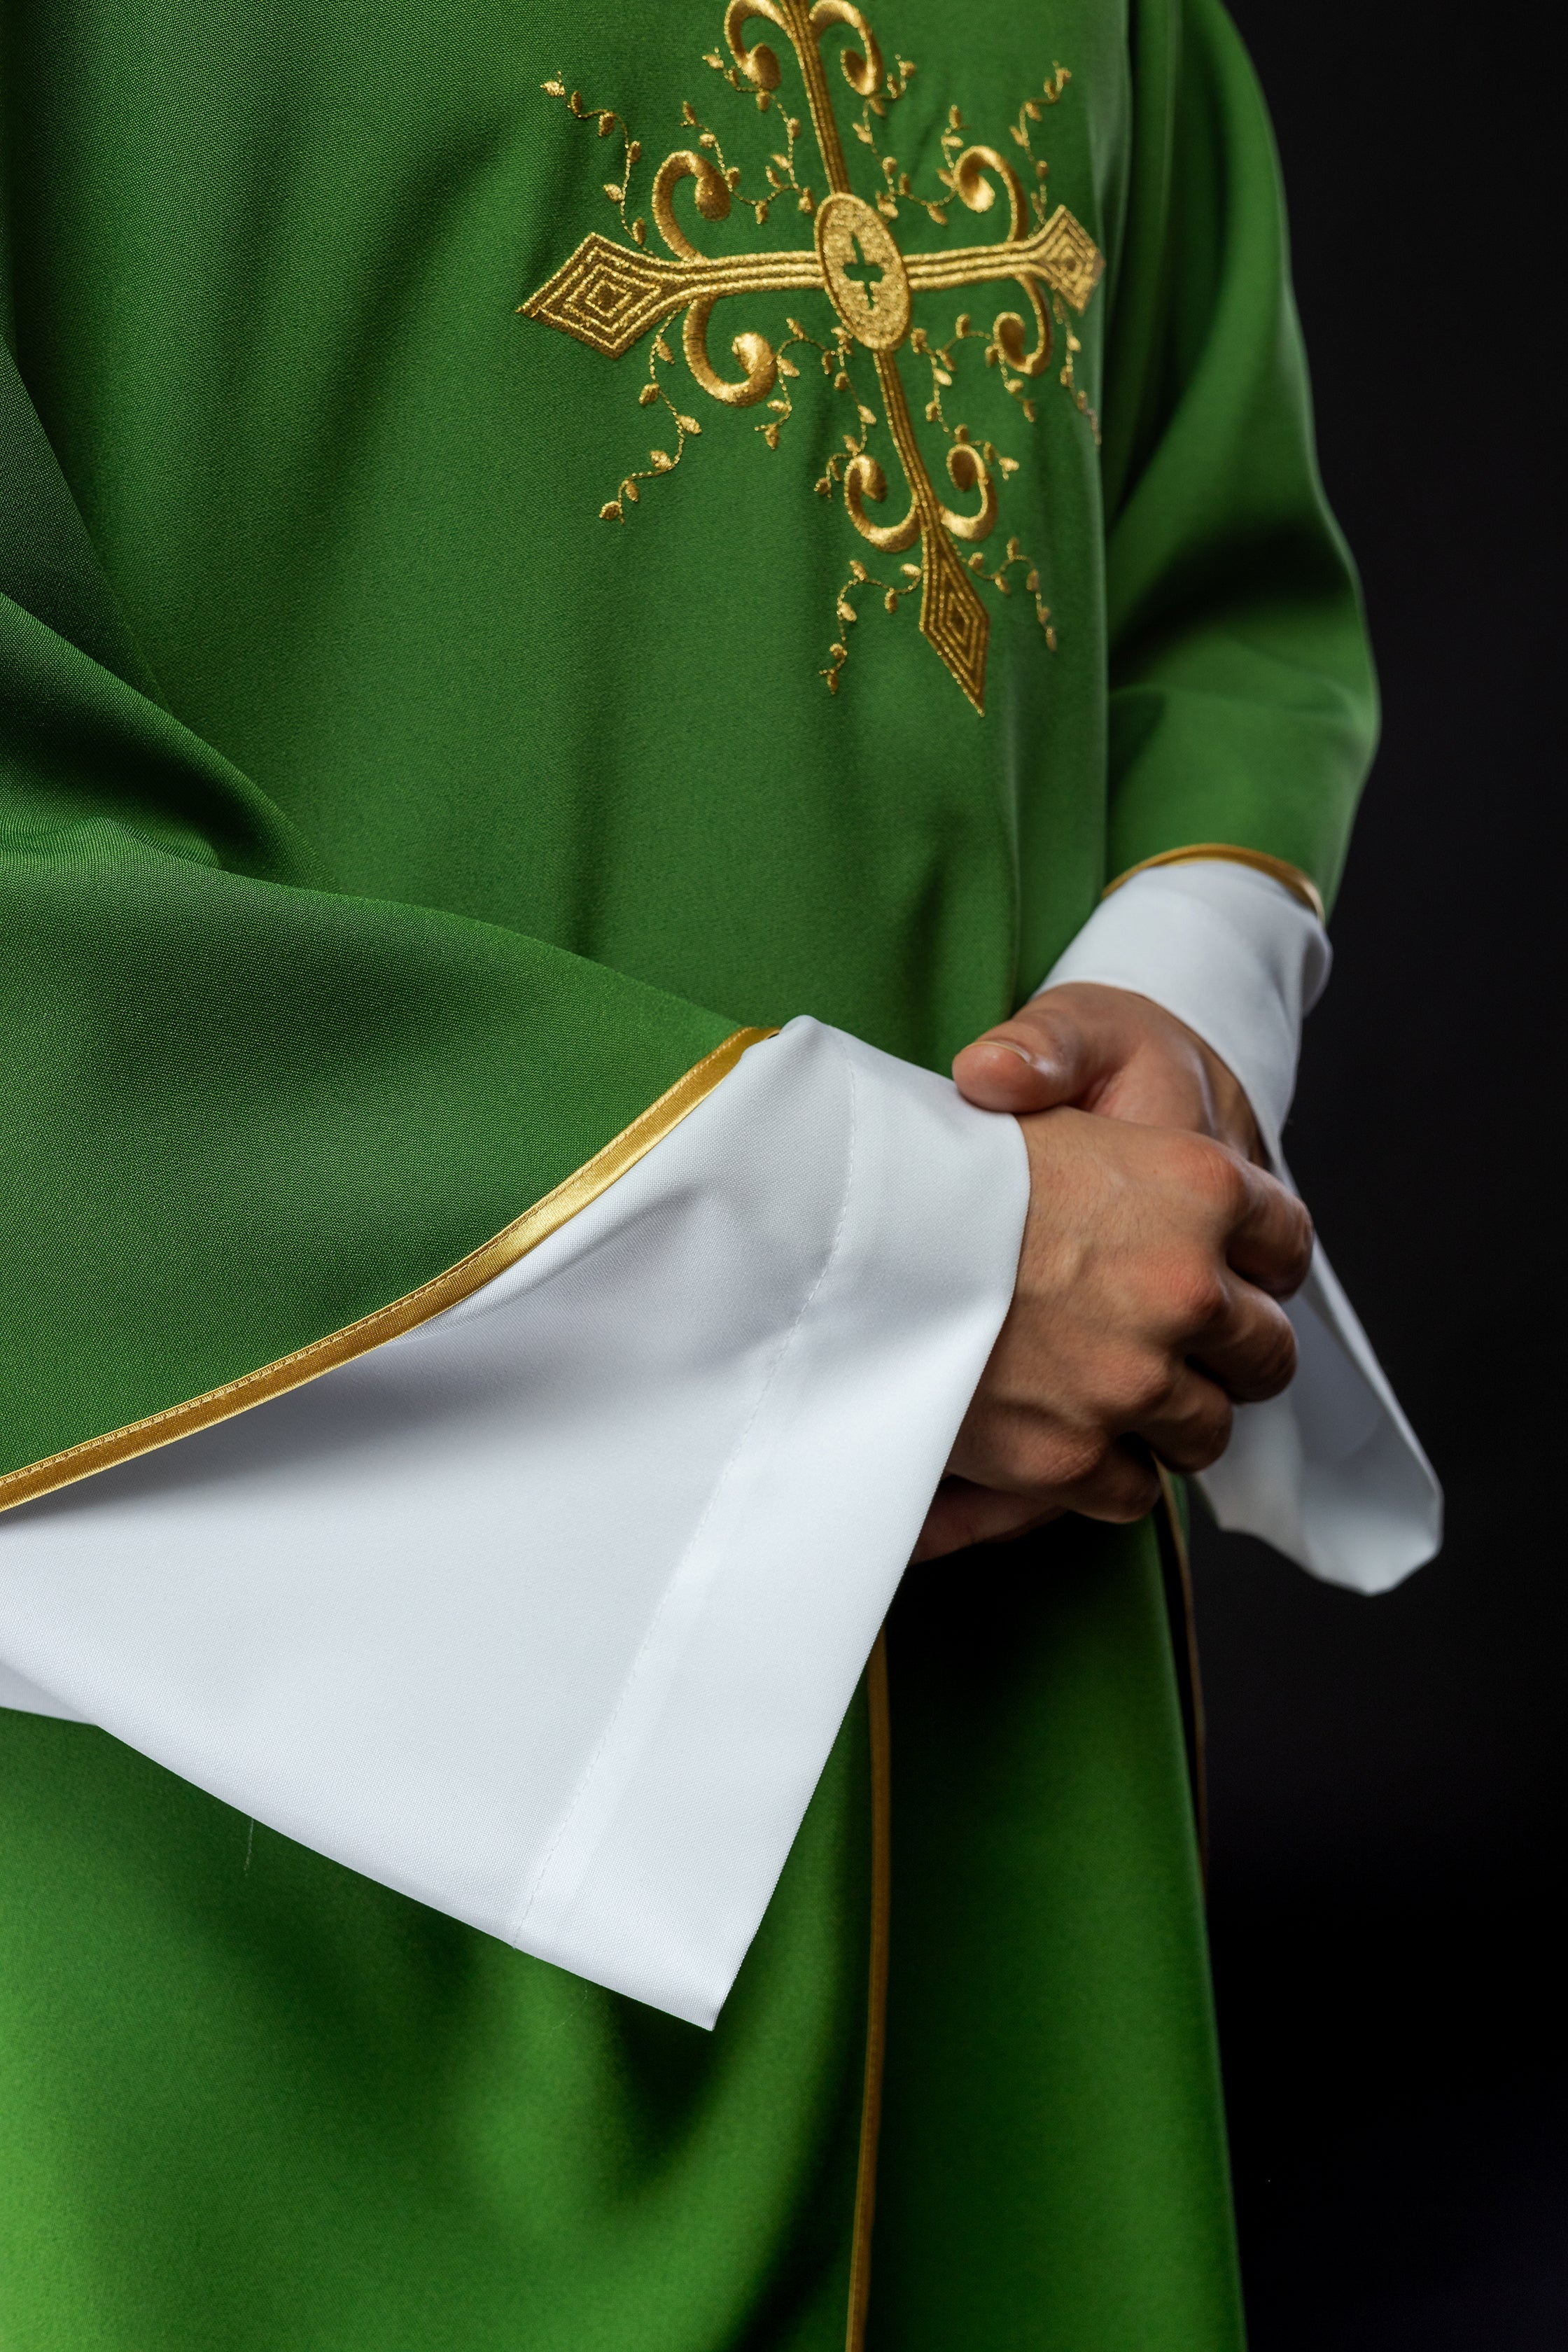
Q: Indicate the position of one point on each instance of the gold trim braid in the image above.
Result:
(877, 1993)
(1301, 886)
(443, 1290)
(1185, 1626)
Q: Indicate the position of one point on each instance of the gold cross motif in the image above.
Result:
(609, 296)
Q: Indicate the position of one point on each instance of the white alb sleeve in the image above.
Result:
(547, 1613)
(1330, 1473)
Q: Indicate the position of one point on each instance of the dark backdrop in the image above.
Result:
(1387, 1777)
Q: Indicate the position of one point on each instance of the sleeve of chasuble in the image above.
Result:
(1243, 710)
(463, 1407)
(1243, 716)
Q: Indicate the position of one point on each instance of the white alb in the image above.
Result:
(548, 1612)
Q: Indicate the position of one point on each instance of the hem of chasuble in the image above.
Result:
(444, 1290)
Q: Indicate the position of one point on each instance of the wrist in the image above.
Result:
(1225, 951)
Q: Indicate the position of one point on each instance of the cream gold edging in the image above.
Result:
(1301, 886)
(443, 1290)
(877, 1994)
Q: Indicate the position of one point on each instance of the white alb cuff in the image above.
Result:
(1330, 1473)
(1228, 950)
(547, 1613)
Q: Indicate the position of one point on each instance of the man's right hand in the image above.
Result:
(1146, 1303)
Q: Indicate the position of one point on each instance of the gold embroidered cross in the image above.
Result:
(610, 295)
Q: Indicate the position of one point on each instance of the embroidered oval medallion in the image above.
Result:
(864, 271)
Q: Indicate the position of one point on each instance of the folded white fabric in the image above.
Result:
(548, 1612)
(1330, 1473)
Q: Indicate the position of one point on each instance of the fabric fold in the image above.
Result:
(547, 1611)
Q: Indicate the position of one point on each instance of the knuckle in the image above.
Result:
(1195, 1293)
(1299, 1255)
(1127, 1491)
(1232, 1188)
(1040, 1027)
(1210, 1435)
(1144, 1388)
(1033, 1455)
(1267, 1364)
(1215, 1175)
(1291, 1239)
(1276, 1361)
(1077, 1458)
(1044, 1016)
(1201, 1434)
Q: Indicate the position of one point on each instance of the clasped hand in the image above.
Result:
(1156, 1253)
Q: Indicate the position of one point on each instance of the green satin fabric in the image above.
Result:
(380, 830)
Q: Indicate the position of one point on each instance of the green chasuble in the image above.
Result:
(531, 540)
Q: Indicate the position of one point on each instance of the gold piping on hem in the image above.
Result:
(443, 1290)
(1301, 886)
(877, 1994)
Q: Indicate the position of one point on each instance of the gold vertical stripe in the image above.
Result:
(1301, 886)
(814, 73)
(443, 1290)
(1177, 1534)
(875, 1993)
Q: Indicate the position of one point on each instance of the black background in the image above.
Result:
(1387, 1777)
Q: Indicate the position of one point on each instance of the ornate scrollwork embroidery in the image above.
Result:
(610, 296)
